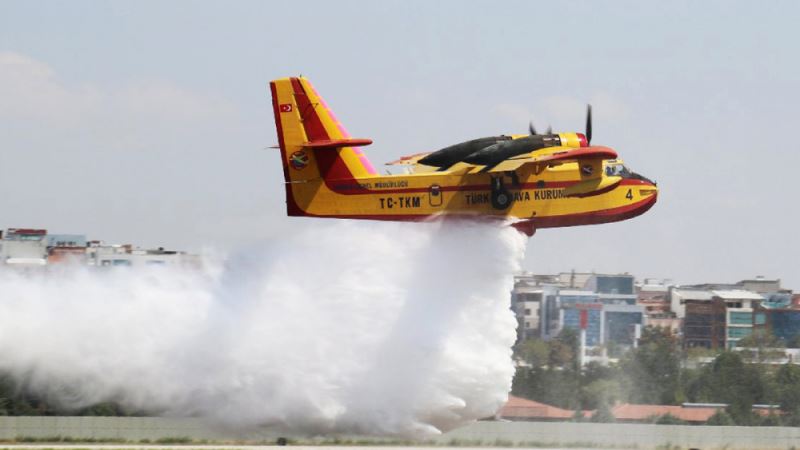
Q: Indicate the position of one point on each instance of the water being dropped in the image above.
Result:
(379, 328)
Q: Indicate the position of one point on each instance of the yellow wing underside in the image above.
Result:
(533, 158)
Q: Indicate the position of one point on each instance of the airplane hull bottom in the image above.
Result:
(527, 226)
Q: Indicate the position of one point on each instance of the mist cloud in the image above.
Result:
(347, 327)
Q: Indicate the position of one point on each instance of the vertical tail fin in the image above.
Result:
(313, 143)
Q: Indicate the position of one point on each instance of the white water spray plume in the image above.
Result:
(357, 327)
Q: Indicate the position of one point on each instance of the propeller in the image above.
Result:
(588, 133)
(532, 129)
(588, 124)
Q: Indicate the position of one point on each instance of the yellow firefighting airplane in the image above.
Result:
(534, 181)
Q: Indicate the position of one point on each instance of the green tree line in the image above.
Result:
(16, 399)
(656, 372)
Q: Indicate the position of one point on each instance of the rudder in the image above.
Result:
(313, 143)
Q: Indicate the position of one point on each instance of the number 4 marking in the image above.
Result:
(629, 195)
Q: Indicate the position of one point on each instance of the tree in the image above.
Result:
(761, 346)
(6, 394)
(603, 414)
(103, 409)
(794, 342)
(564, 350)
(721, 418)
(787, 381)
(653, 369)
(668, 419)
(534, 352)
(603, 391)
(771, 420)
(554, 386)
(729, 380)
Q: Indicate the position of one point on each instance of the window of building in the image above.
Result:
(738, 333)
(615, 284)
(696, 343)
(527, 311)
(741, 318)
(697, 331)
(785, 324)
(760, 319)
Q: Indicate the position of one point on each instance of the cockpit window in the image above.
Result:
(617, 170)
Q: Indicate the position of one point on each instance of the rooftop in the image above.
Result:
(522, 408)
(692, 293)
(737, 294)
(697, 414)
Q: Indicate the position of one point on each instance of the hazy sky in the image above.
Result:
(146, 122)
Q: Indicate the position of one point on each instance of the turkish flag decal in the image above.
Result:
(286, 107)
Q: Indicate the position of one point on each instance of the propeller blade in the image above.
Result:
(549, 129)
(588, 124)
(531, 128)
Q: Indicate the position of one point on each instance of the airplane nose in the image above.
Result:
(649, 188)
(637, 176)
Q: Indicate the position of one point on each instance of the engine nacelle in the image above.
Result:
(573, 140)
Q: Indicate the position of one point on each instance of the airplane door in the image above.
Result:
(435, 195)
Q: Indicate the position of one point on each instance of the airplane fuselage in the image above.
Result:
(543, 199)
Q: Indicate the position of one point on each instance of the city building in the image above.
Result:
(23, 247)
(780, 319)
(102, 255)
(739, 305)
(716, 319)
(620, 285)
(614, 318)
(66, 248)
(26, 248)
(653, 295)
(609, 310)
(602, 305)
(760, 285)
(680, 296)
(528, 300)
(573, 280)
(66, 240)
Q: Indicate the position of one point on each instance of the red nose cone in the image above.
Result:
(584, 142)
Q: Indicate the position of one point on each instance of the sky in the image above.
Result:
(150, 122)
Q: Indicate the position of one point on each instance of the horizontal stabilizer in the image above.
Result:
(337, 143)
(408, 160)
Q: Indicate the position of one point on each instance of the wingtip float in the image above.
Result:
(533, 181)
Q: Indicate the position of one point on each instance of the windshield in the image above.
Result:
(617, 170)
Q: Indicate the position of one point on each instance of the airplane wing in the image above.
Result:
(540, 159)
(554, 156)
